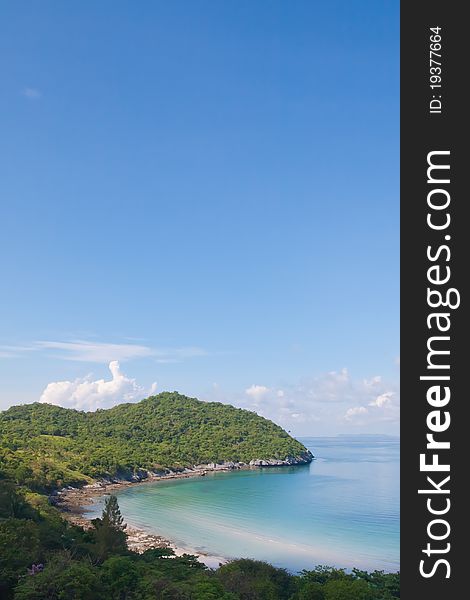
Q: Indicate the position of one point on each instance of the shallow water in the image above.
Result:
(341, 510)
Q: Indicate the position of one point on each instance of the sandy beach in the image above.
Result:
(72, 502)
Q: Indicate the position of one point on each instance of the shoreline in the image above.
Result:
(72, 503)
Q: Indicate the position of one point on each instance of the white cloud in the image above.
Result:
(373, 382)
(382, 399)
(256, 392)
(31, 93)
(98, 352)
(354, 412)
(101, 352)
(86, 394)
(14, 351)
(332, 402)
(335, 386)
(382, 409)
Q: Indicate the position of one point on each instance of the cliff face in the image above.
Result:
(52, 446)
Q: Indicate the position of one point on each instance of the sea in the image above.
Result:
(341, 510)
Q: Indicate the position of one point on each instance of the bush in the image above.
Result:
(64, 579)
(256, 580)
(347, 589)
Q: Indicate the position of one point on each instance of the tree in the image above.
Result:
(109, 533)
(112, 513)
(19, 549)
(385, 585)
(120, 575)
(13, 504)
(324, 573)
(311, 590)
(347, 589)
(62, 578)
(256, 580)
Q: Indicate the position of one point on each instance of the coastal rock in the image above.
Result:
(142, 475)
(231, 465)
(303, 459)
(139, 541)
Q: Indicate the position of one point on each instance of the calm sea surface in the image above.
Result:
(342, 510)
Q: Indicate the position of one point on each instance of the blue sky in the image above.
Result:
(206, 192)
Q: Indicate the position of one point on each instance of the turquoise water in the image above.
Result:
(341, 510)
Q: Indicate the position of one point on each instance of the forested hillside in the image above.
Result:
(44, 446)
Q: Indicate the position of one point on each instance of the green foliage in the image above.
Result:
(13, 503)
(311, 590)
(62, 578)
(19, 548)
(42, 557)
(120, 575)
(112, 514)
(322, 574)
(346, 589)
(108, 533)
(330, 583)
(44, 446)
(253, 580)
(386, 585)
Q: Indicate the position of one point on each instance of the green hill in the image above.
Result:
(45, 446)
